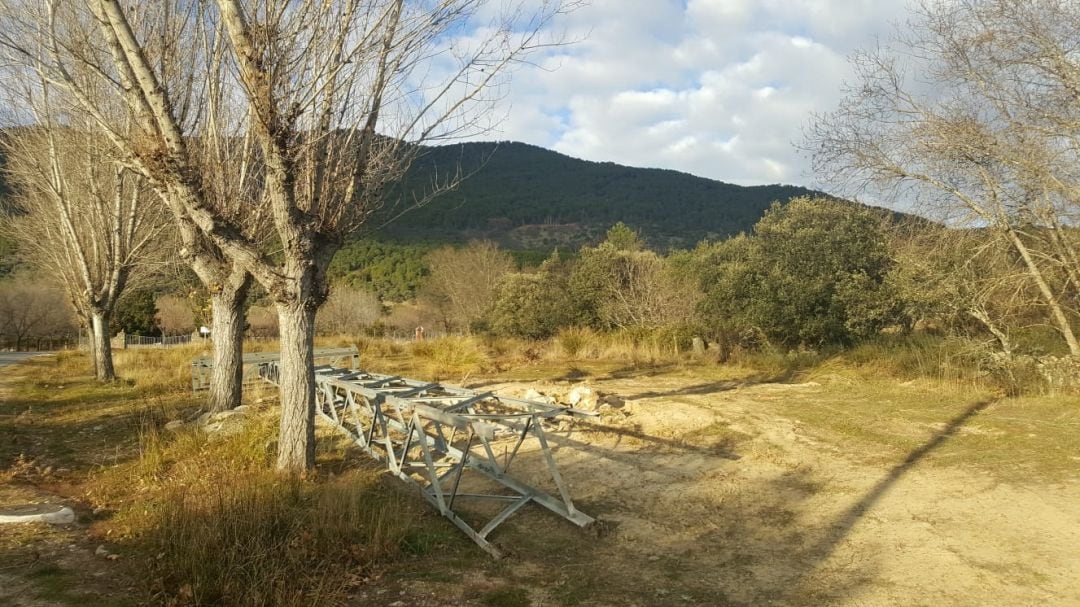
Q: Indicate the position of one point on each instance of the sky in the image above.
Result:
(717, 88)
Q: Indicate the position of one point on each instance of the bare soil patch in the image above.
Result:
(717, 493)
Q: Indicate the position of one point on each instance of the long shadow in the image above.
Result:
(724, 450)
(845, 523)
(718, 386)
(72, 431)
(757, 527)
(575, 373)
(697, 390)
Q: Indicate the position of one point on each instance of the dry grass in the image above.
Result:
(258, 539)
(206, 522)
(203, 519)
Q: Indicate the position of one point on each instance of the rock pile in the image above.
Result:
(581, 397)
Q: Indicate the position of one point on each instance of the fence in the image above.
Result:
(123, 341)
(163, 341)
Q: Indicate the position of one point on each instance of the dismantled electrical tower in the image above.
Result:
(456, 445)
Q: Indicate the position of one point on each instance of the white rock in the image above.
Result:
(582, 397)
(38, 513)
(175, 425)
(540, 397)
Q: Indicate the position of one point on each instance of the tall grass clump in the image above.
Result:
(779, 363)
(215, 525)
(572, 341)
(159, 369)
(261, 539)
(451, 356)
(377, 347)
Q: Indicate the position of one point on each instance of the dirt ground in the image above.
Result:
(708, 495)
(714, 491)
(52, 565)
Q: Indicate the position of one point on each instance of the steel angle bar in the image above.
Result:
(432, 436)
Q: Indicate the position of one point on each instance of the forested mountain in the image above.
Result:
(529, 197)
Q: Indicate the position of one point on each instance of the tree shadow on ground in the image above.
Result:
(717, 386)
(684, 530)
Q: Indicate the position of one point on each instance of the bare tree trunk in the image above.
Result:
(1049, 297)
(296, 447)
(227, 333)
(91, 346)
(101, 346)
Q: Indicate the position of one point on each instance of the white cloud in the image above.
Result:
(718, 88)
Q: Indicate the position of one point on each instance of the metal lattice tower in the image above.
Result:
(434, 436)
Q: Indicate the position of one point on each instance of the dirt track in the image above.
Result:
(711, 498)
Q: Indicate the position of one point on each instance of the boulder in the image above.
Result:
(224, 415)
(223, 422)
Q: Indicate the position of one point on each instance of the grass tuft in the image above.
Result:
(265, 540)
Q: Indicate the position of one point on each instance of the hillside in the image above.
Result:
(528, 197)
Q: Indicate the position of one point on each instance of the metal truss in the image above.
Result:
(435, 436)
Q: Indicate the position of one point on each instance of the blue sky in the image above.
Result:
(717, 88)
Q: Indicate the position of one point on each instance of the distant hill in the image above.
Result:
(527, 197)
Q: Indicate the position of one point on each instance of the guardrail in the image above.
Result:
(202, 366)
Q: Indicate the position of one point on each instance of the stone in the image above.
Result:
(101, 551)
(699, 346)
(224, 415)
(582, 397)
(611, 400)
(55, 514)
(537, 396)
(175, 425)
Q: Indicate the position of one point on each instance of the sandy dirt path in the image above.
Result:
(710, 497)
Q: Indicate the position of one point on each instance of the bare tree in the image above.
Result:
(68, 45)
(348, 311)
(175, 315)
(86, 222)
(31, 311)
(465, 280)
(975, 113)
(334, 97)
(635, 288)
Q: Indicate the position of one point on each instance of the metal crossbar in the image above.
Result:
(433, 436)
(202, 366)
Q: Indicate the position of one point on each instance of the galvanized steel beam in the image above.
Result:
(432, 436)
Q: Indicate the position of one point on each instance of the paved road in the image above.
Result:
(7, 358)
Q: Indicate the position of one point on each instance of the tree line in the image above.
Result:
(812, 273)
